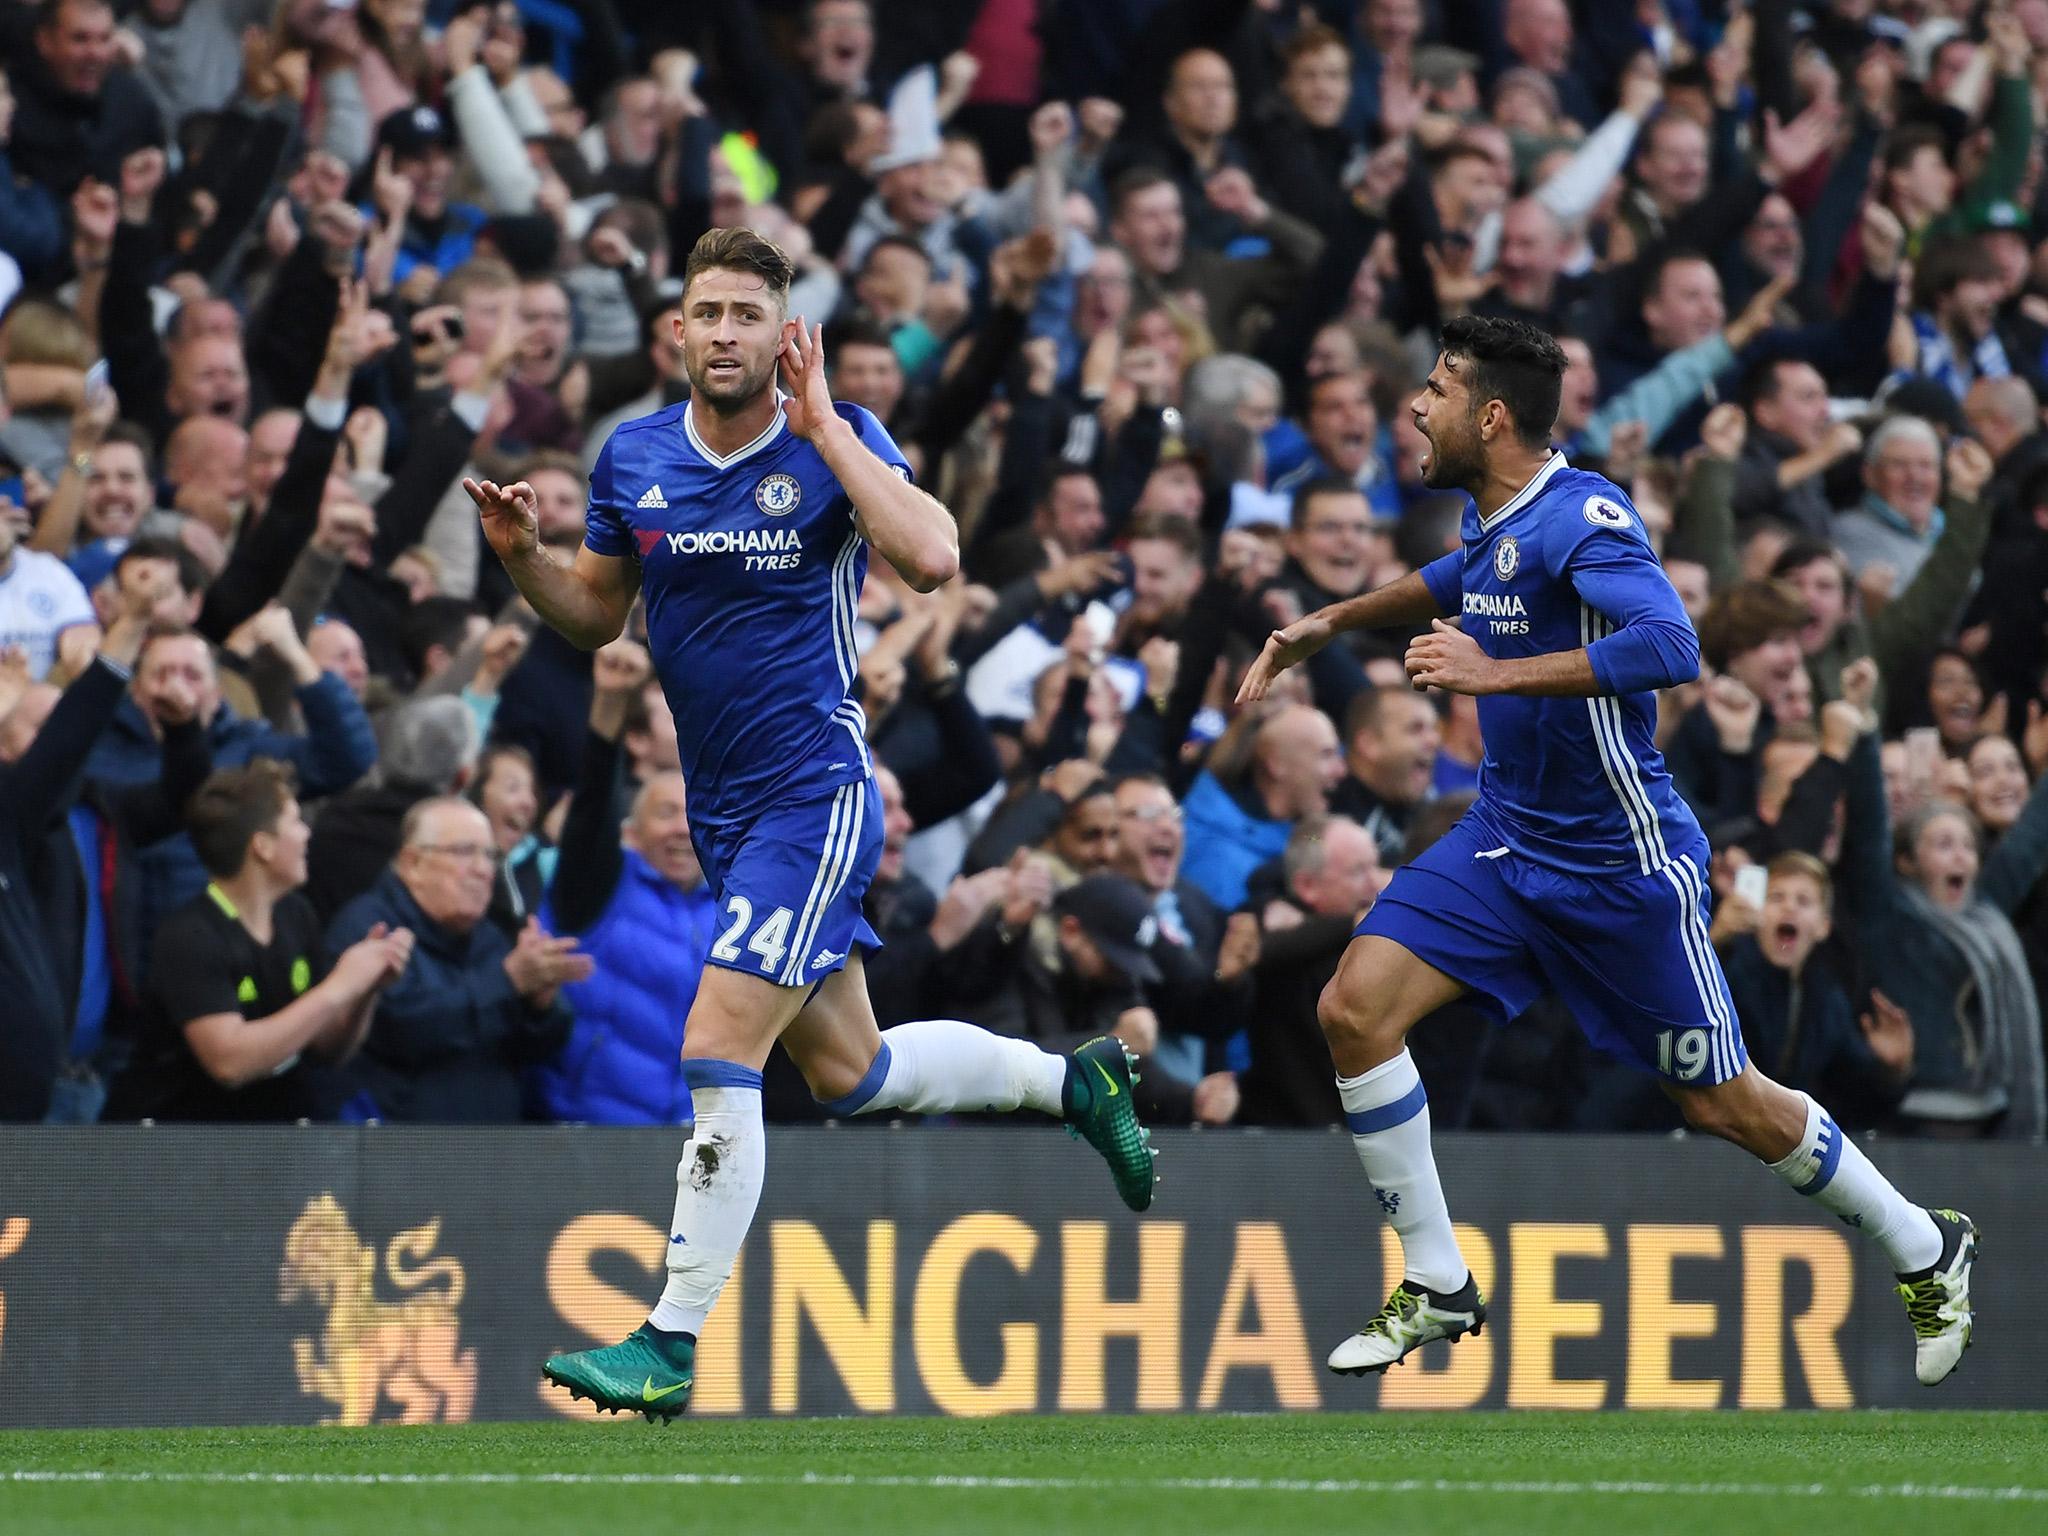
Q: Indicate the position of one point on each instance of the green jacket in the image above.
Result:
(2012, 135)
(1909, 627)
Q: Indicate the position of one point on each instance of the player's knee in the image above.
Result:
(1712, 1112)
(832, 1069)
(1356, 1023)
(831, 1079)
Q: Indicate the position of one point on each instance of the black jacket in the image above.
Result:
(451, 1035)
(1188, 998)
(1802, 1031)
(130, 816)
(59, 139)
(355, 838)
(544, 706)
(1290, 1080)
(34, 789)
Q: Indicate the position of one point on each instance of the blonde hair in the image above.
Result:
(39, 332)
(485, 273)
(1196, 340)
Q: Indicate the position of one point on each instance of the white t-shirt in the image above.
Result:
(39, 597)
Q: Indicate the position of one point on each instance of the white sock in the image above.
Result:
(718, 1184)
(1829, 1168)
(936, 1065)
(1389, 1117)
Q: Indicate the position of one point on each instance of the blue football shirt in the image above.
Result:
(1577, 784)
(752, 569)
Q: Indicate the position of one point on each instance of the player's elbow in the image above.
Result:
(931, 568)
(1646, 656)
(595, 636)
(599, 628)
(1682, 649)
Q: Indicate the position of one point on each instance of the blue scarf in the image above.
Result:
(1896, 520)
(1938, 360)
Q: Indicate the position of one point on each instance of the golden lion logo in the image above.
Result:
(370, 1349)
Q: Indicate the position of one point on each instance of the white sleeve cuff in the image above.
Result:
(470, 408)
(328, 415)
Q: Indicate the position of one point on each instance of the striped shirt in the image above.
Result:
(752, 568)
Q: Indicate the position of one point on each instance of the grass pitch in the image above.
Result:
(1869, 1473)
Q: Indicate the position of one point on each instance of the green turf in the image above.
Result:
(1728, 1473)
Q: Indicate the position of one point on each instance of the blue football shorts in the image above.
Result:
(789, 884)
(1629, 955)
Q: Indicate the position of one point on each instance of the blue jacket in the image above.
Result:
(450, 1036)
(31, 228)
(623, 1062)
(1226, 842)
(455, 244)
(339, 747)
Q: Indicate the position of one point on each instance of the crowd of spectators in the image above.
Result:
(303, 817)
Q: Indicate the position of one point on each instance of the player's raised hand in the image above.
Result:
(809, 406)
(1284, 648)
(1449, 659)
(511, 516)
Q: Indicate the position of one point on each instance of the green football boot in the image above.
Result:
(645, 1374)
(1097, 1100)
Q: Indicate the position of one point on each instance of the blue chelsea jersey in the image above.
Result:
(1574, 783)
(752, 570)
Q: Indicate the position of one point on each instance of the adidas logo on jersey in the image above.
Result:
(652, 498)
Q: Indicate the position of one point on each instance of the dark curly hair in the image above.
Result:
(1512, 362)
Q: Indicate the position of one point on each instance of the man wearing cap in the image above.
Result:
(1449, 80)
(438, 234)
(1092, 983)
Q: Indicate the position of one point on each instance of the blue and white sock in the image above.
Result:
(718, 1185)
(935, 1066)
(1389, 1117)
(1830, 1169)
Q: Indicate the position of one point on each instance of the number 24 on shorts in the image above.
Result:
(1688, 1046)
(770, 940)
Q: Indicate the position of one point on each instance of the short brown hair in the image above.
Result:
(479, 274)
(37, 331)
(741, 250)
(231, 807)
(1798, 862)
(1748, 615)
(549, 458)
(1313, 38)
(1168, 529)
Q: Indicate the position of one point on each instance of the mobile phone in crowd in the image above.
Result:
(1752, 884)
(1923, 754)
(96, 382)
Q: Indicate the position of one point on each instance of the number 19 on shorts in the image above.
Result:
(1682, 1053)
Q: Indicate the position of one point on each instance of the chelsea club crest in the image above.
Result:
(777, 495)
(1507, 557)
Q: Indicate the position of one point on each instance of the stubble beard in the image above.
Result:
(1453, 468)
(724, 397)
